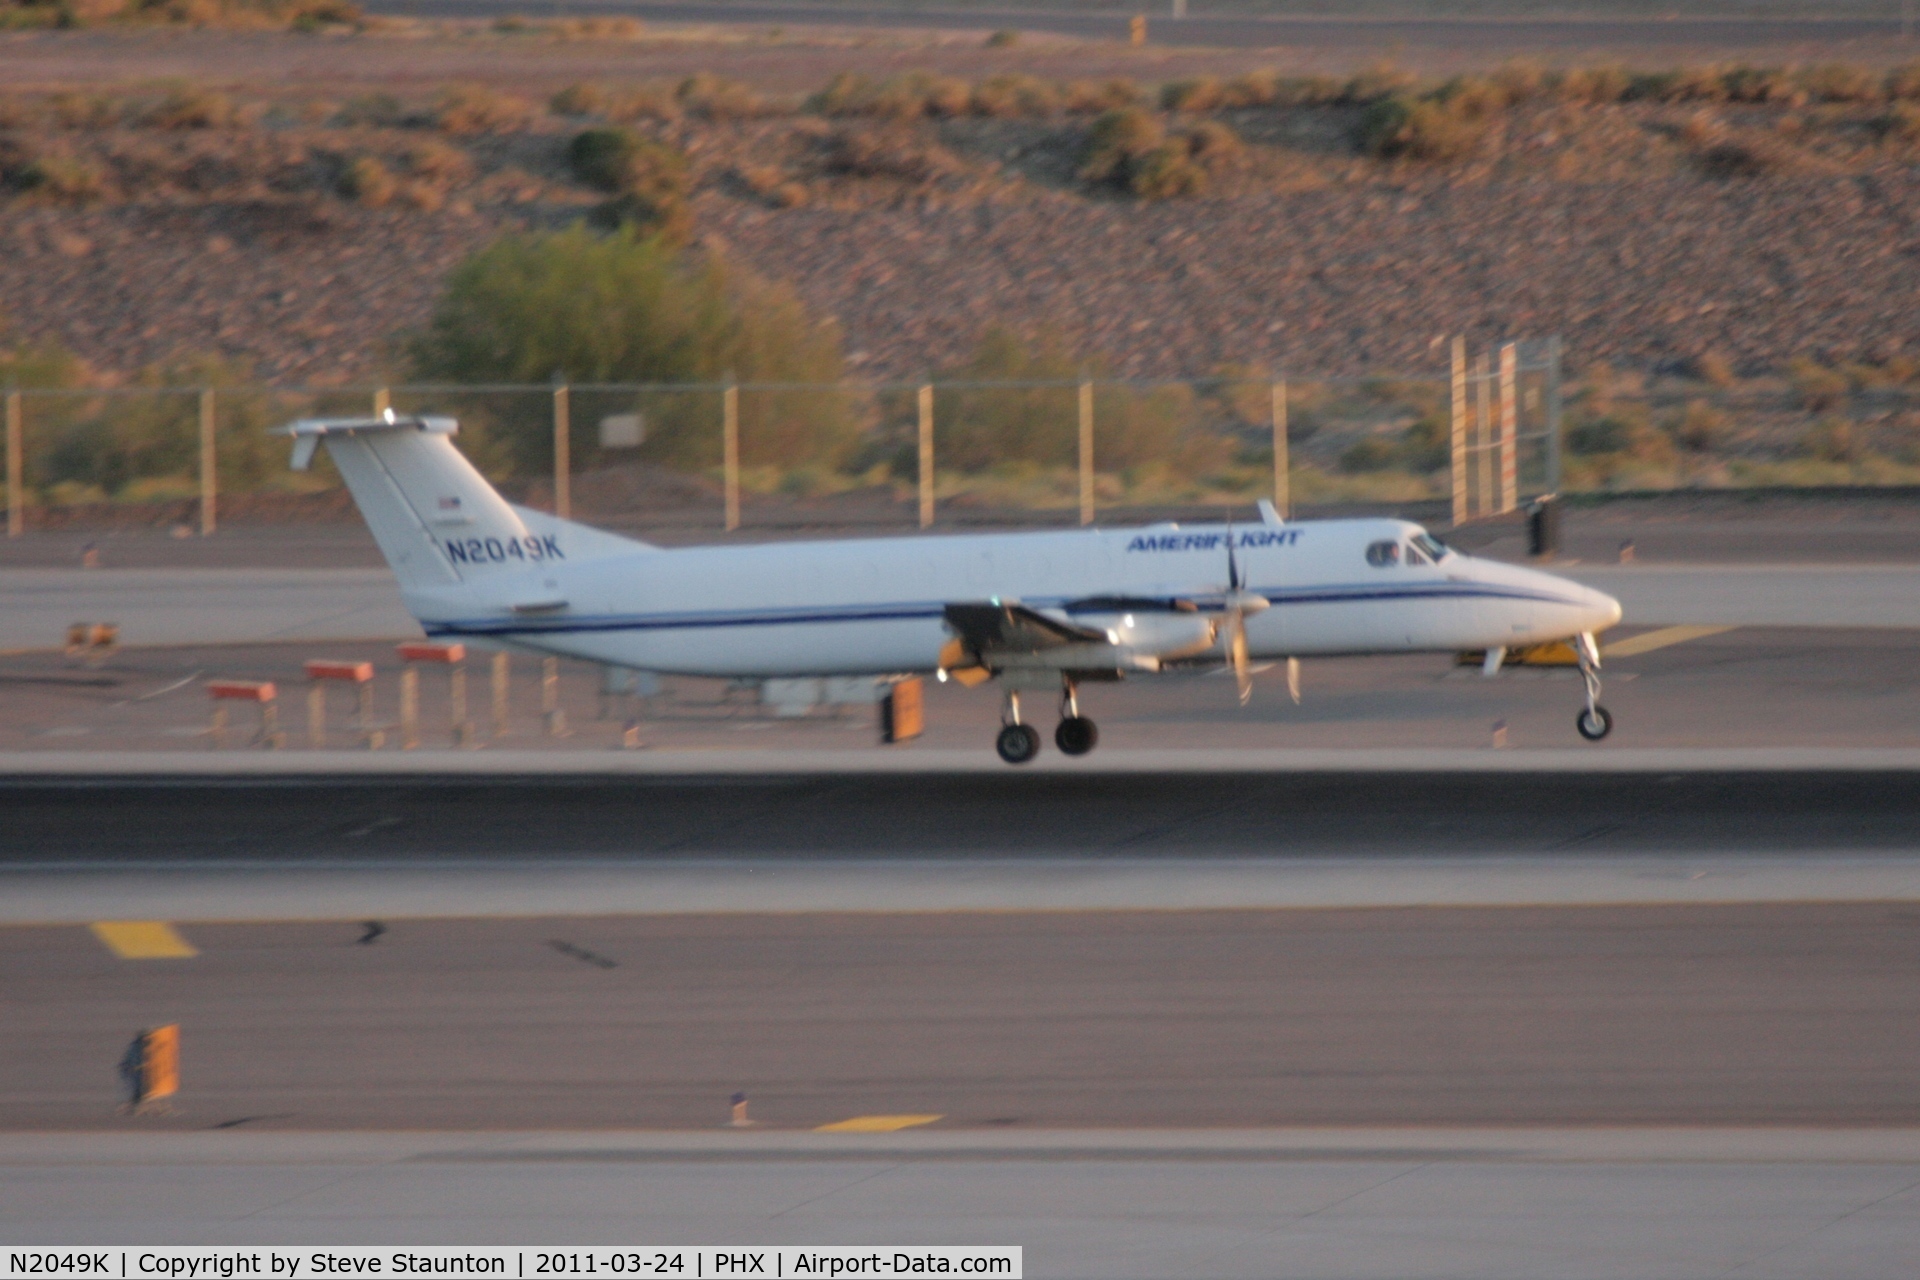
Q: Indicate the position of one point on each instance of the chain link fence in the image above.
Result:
(701, 458)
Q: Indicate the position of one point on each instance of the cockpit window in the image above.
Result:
(1432, 546)
(1415, 555)
(1383, 555)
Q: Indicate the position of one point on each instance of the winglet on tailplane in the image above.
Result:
(437, 520)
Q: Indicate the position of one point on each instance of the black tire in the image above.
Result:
(1596, 727)
(1018, 743)
(1076, 736)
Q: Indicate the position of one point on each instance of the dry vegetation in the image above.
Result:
(1729, 251)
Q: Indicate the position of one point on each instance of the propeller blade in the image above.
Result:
(1242, 674)
(1293, 679)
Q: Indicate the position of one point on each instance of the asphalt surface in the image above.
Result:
(1199, 28)
(1404, 1204)
(1731, 1015)
(1107, 814)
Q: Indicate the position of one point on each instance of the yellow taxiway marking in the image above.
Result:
(143, 940)
(876, 1124)
(1648, 641)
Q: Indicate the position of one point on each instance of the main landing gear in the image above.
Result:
(1018, 743)
(1595, 721)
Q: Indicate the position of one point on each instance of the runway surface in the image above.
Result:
(986, 814)
(1761, 1014)
(1401, 1203)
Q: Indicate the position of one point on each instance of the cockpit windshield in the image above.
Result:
(1435, 549)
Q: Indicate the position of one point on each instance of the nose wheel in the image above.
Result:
(1595, 722)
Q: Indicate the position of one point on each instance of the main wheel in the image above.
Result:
(1018, 743)
(1594, 725)
(1076, 735)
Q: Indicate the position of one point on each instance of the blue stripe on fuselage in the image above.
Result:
(916, 610)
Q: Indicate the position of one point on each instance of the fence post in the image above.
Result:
(556, 718)
(730, 450)
(209, 482)
(409, 707)
(1461, 512)
(382, 401)
(1086, 451)
(563, 451)
(1282, 479)
(1553, 414)
(16, 467)
(500, 678)
(1509, 428)
(926, 454)
(1483, 443)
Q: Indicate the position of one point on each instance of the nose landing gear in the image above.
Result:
(1595, 722)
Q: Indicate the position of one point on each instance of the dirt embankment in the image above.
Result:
(1651, 223)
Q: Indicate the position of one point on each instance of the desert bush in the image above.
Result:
(1086, 97)
(1841, 82)
(1115, 141)
(1202, 93)
(1700, 428)
(1215, 146)
(989, 427)
(627, 308)
(61, 178)
(1252, 89)
(1003, 39)
(581, 98)
(437, 162)
(648, 180)
(84, 110)
(1903, 82)
(1759, 84)
(1592, 85)
(1832, 439)
(474, 108)
(1374, 453)
(1624, 431)
(1714, 369)
(1817, 386)
(718, 98)
(371, 110)
(1166, 172)
(1413, 129)
(190, 107)
(1015, 95)
(644, 102)
(887, 153)
(1900, 123)
(1381, 80)
(1520, 80)
(367, 181)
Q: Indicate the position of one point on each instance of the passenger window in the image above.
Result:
(1383, 555)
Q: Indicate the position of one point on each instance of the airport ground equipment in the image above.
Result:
(322, 672)
(454, 658)
(150, 1070)
(261, 694)
(1039, 611)
(903, 710)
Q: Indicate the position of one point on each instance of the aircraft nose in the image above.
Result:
(1606, 609)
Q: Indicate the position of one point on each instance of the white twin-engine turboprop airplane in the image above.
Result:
(1037, 611)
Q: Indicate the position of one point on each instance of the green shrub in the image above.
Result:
(1012, 96)
(717, 98)
(1004, 39)
(1371, 454)
(647, 178)
(1202, 93)
(627, 308)
(1817, 386)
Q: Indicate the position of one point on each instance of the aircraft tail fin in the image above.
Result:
(437, 520)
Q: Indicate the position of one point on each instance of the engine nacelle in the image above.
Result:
(1165, 635)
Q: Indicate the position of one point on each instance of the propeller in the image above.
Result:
(1239, 603)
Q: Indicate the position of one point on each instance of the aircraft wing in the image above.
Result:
(1002, 628)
